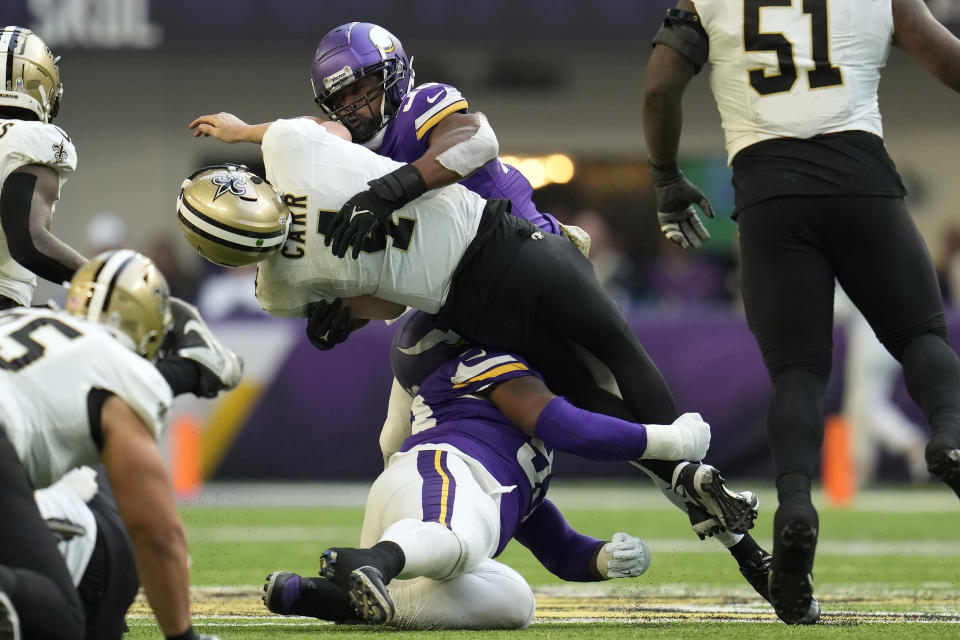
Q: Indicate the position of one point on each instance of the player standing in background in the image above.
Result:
(817, 199)
(36, 158)
(111, 406)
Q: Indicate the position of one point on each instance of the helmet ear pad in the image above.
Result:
(231, 216)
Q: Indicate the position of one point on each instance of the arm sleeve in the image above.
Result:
(565, 552)
(15, 205)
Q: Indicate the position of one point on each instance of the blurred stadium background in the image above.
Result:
(561, 82)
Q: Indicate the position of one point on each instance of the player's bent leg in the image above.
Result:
(489, 596)
(437, 521)
(932, 373)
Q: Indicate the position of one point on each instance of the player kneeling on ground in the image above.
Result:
(78, 387)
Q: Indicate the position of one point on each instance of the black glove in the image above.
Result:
(675, 195)
(364, 212)
(329, 323)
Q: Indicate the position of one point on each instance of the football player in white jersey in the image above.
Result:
(492, 277)
(817, 200)
(78, 387)
(36, 158)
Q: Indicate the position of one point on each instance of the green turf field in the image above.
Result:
(888, 565)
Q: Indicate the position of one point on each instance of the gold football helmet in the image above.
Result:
(32, 79)
(125, 292)
(231, 216)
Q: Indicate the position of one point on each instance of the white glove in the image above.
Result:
(81, 481)
(623, 557)
(688, 438)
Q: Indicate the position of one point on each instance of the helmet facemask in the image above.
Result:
(348, 115)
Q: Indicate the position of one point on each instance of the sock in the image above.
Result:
(745, 549)
(323, 599)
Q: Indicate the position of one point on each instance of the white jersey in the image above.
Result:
(798, 70)
(24, 142)
(49, 362)
(317, 172)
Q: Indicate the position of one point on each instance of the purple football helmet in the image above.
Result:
(418, 349)
(358, 50)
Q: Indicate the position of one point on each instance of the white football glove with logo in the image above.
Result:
(191, 338)
(688, 438)
(623, 557)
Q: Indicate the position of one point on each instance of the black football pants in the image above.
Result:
(792, 251)
(533, 293)
(32, 571)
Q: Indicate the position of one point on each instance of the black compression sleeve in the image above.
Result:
(181, 374)
(15, 204)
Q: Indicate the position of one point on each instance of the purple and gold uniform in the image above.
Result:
(407, 136)
(450, 410)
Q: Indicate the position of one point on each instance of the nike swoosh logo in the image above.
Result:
(434, 97)
(465, 372)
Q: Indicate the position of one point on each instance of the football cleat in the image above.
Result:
(190, 338)
(756, 571)
(943, 458)
(791, 584)
(705, 524)
(702, 485)
(9, 622)
(281, 591)
(371, 600)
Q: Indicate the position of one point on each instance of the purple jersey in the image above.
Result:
(407, 136)
(450, 409)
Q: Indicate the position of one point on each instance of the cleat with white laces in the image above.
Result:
(191, 338)
(702, 485)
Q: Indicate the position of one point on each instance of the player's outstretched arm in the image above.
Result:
(528, 403)
(917, 32)
(142, 489)
(575, 557)
(26, 211)
(227, 127)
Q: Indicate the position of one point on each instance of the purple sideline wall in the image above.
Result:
(321, 416)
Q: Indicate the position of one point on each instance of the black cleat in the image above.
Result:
(702, 485)
(281, 592)
(9, 622)
(290, 594)
(756, 571)
(790, 582)
(371, 600)
(943, 458)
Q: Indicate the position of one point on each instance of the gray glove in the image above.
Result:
(675, 197)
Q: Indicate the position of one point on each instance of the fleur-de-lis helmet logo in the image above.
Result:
(235, 184)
